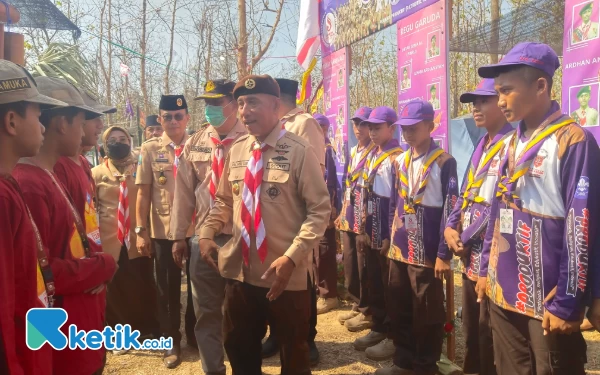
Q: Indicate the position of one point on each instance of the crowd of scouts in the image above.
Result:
(249, 208)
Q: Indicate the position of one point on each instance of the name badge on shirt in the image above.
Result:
(370, 207)
(506, 221)
(466, 220)
(410, 220)
(348, 194)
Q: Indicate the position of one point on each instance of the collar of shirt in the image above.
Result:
(553, 108)
(273, 136)
(292, 113)
(239, 128)
(167, 141)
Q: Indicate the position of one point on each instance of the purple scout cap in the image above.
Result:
(536, 55)
(362, 113)
(484, 88)
(415, 111)
(381, 115)
(321, 119)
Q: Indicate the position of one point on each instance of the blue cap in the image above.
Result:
(485, 88)
(416, 111)
(362, 113)
(536, 55)
(321, 119)
(382, 114)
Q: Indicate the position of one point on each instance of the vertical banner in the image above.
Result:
(423, 62)
(581, 63)
(335, 103)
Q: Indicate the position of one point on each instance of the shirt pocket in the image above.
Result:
(201, 162)
(275, 187)
(236, 182)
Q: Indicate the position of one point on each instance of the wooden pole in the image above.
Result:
(451, 340)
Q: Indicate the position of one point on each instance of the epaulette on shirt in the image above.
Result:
(155, 139)
(295, 138)
(442, 159)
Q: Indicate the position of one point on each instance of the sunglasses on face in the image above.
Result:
(169, 117)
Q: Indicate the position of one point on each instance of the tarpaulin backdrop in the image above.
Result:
(344, 22)
(335, 103)
(581, 63)
(423, 64)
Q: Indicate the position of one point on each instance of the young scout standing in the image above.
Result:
(200, 169)
(538, 249)
(426, 191)
(350, 225)
(157, 169)
(378, 176)
(466, 226)
(296, 121)
(280, 209)
(325, 259)
(23, 287)
(79, 271)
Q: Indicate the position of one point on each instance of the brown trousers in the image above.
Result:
(479, 353)
(326, 265)
(520, 347)
(246, 311)
(417, 314)
(355, 272)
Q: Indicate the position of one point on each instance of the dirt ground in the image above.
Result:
(334, 343)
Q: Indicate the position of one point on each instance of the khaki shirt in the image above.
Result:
(156, 160)
(294, 203)
(306, 127)
(193, 180)
(107, 179)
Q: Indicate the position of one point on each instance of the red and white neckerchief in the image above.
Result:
(123, 215)
(178, 150)
(218, 163)
(251, 202)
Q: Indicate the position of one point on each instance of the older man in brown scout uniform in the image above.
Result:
(157, 168)
(273, 191)
(200, 168)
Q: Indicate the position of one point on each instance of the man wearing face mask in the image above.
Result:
(131, 294)
(157, 168)
(200, 169)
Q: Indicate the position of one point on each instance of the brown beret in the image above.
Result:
(256, 84)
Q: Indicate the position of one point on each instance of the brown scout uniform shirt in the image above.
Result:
(306, 127)
(156, 159)
(294, 203)
(193, 180)
(107, 179)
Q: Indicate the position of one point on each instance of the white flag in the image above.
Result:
(309, 34)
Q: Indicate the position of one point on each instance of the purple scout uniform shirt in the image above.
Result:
(331, 176)
(548, 244)
(422, 246)
(473, 219)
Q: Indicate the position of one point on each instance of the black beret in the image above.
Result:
(288, 86)
(152, 120)
(172, 102)
(256, 84)
(217, 88)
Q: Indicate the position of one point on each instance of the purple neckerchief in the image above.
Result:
(393, 143)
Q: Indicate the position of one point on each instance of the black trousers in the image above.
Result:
(479, 353)
(417, 314)
(377, 272)
(326, 265)
(168, 280)
(355, 272)
(520, 347)
(246, 311)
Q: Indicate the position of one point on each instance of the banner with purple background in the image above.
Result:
(335, 104)
(344, 22)
(581, 63)
(423, 64)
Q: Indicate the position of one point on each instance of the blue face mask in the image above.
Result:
(214, 115)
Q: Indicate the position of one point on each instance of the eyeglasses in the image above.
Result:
(169, 117)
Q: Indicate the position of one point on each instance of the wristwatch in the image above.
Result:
(139, 230)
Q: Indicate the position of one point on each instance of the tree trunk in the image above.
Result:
(167, 90)
(143, 60)
(242, 55)
(495, 35)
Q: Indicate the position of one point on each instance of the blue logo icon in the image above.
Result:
(43, 326)
(583, 188)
